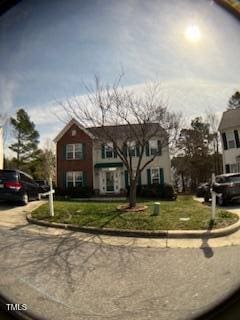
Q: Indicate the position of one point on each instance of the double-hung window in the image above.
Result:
(153, 147)
(74, 179)
(109, 150)
(74, 151)
(230, 140)
(155, 176)
(132, 149)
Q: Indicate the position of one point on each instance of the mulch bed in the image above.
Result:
(125, 208)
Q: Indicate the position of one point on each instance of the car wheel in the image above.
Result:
(221, 201)
(206, 199)
(25, 199)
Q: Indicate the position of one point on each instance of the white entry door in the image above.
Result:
(110, 181)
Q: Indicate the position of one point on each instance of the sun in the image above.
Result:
(193, 33)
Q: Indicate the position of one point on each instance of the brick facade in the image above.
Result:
(85, 165)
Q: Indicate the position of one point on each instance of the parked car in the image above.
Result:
(202, 188)
(17, 186)
(227, 187)
(43, 186)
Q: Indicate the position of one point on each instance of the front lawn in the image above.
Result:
(105, 215)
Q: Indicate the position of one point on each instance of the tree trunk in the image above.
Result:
(133, 194)
(183, 182)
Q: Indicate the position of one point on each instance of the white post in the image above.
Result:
(156, 209)
(213, 199)
(50, 199)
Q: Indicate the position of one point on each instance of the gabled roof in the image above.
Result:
(230, 119)
(117, 131)
(68, 126)
(125, 131)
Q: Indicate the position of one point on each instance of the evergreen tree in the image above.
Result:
(194, 161)
(234, 101)
(26, 145)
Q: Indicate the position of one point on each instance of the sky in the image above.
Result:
(49, 48)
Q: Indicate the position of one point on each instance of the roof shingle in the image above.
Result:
(230, 119)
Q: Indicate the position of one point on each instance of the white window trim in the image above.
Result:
(230, 138)
(234, 167)
(74, 174)
(107, 148)
(152, 175)
(154, 146)
(74, 151)
(132, 147)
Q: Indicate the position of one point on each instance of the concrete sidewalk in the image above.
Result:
(15, 219)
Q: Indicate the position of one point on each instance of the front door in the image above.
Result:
(110, 181)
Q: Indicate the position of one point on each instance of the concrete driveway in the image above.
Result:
(233, 207)
(13, 215)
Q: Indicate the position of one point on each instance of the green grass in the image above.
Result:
(105, 215)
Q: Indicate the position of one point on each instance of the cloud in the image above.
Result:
(8, 89)
(47, 114)
(193, 97)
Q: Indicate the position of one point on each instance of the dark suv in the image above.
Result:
(227, 187)
(43, 186)
(17, 186)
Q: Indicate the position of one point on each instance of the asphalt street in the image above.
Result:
(64, 276)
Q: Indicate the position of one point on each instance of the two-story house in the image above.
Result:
(229, 129)
(82, 160)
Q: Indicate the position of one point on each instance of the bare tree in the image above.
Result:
(49, 160)
(144, 116)
(4, 126)
(213, 120)
(3, 136)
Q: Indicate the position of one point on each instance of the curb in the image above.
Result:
(170, 234)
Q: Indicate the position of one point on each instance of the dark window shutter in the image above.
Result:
(64, 155)
(140, 179)
(224, 139)
(161, 176)
(159, 148)
(149, 176)
(115, 153)
(237, 138)
(64, 180)
(126, 178)
(103, 151)
(84, 151)
(137, 150)
(85, 178)
(227, 168)
(125, 149)
(147, 149)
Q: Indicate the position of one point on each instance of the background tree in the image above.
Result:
(234, 101)
(194, 162)
(213, 120)
(144, 115)
(26, 145)
(43, 167)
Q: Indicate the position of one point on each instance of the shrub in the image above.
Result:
(75, 192)
(162, 191)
